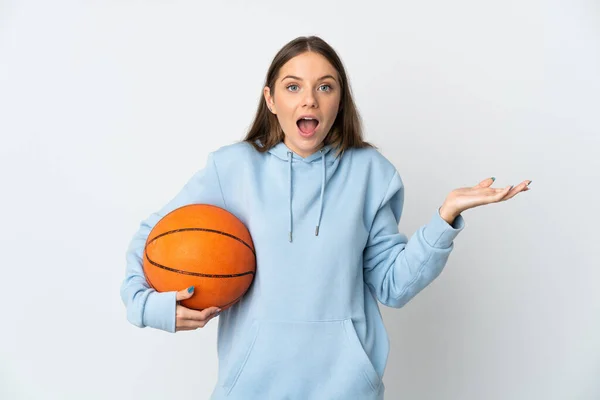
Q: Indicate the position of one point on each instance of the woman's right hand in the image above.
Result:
(188, 319)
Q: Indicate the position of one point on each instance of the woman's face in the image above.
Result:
(306, 86)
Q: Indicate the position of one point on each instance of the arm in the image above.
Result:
(145, 306)
(397, 269)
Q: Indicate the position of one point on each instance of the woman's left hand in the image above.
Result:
(462, 199)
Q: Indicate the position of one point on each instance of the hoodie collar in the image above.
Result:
(281, 150)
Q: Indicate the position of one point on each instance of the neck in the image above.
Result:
(301, 153)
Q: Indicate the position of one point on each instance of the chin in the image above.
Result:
(305, 144)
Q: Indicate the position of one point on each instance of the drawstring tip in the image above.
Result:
(290, 237)
(317, 231)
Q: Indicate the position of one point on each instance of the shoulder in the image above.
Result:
(234, 150)
(370, 159)
(384, 184)
(236, 154)
(371, 155)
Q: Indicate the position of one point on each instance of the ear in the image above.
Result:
(269, 99)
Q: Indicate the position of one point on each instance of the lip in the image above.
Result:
(313, 116)
(305, 135)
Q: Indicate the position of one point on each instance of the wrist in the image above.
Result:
(447, 214)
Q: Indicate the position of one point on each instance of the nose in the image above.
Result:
(310, 100)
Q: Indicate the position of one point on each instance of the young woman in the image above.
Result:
(323, 208)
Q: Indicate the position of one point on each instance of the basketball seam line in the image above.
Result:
(179, 271)
(205, 230)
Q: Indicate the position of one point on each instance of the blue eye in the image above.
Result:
(291, 86)
(329, 90)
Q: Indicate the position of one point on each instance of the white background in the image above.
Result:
(108, 107)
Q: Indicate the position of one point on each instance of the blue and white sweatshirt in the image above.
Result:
(309, 327)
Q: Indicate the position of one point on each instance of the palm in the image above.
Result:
(468, 197)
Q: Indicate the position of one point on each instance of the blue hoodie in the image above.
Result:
(325, 229)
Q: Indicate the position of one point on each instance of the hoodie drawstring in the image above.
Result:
(322, 192)
(323, 183)
(290, 192)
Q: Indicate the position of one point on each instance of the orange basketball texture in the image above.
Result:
(204, 246)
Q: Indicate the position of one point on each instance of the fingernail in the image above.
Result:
(529, 183)
(493, 179)
(190, 289)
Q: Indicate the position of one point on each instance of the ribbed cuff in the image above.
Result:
(439, 233)
(159, 311)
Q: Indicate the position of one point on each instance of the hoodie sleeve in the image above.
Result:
(145, 306)
(397, 269)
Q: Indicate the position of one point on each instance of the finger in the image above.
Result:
(185, 294)
(522, 187)
(185, 328)
(502, 193)
(188, 324)
(207, 313)
(485, 183)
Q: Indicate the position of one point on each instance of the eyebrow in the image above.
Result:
(299, 79)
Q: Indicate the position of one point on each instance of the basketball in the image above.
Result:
(204, 246)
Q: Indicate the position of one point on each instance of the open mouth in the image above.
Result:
(307, 125)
